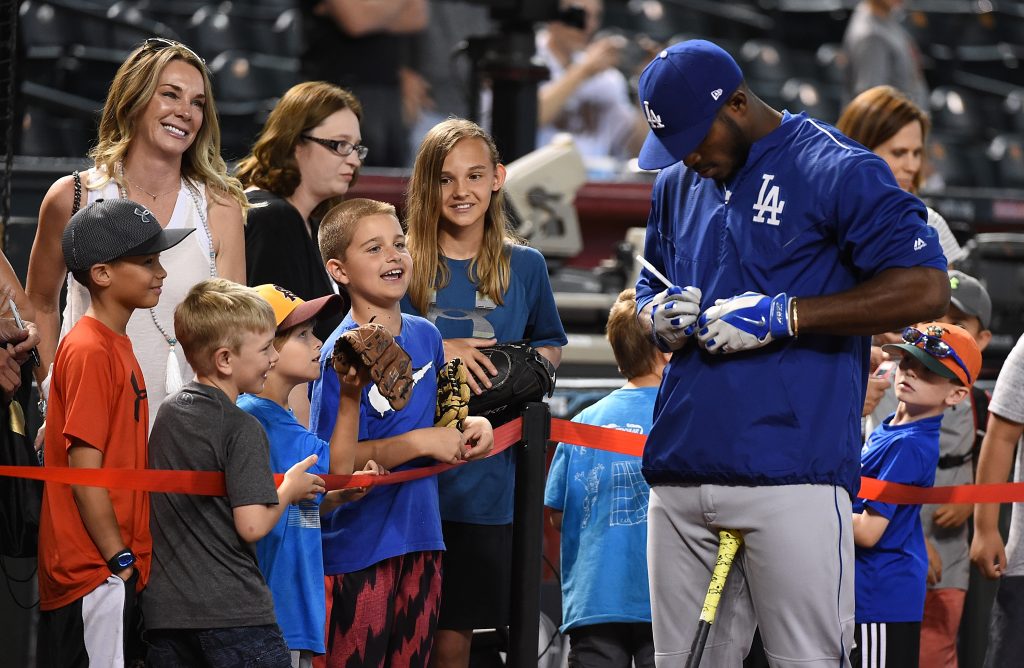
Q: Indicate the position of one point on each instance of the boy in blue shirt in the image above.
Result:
(939, 364)
(599, 504)
(290, 555)
(382, 554)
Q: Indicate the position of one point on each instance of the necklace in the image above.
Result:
(135, 185)
(172, 376)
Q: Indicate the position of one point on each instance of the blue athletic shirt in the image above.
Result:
(891, 577)
(482, 493)
(604, 497)
(392, 519)
(290, 555)
(810, 213)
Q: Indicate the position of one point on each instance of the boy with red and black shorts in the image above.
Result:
(382, 554)
(94, 544)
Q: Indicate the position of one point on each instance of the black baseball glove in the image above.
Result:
(524, 375)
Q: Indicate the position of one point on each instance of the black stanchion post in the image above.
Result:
(527, 539)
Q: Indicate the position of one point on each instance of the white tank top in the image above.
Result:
(187, 263)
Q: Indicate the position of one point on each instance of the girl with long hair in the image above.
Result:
(476, 281)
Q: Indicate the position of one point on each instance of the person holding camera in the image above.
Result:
(586, 95)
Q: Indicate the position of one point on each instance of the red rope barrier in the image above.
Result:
(211, 483)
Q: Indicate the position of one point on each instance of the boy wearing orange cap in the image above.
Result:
(939, 364)
(290, 555)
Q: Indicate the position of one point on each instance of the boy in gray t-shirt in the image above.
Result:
(207, 602)
(1005, 425)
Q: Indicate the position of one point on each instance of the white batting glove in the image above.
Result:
(744, 322)
(674, 316)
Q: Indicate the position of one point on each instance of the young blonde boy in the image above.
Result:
(599, 504)
(207, 603)
(382, 554)
(94, 544)
(939, 364)
(290, 555)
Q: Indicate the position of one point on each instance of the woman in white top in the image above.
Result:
(886, 121)
(159, 145)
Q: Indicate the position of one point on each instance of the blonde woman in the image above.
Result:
(159, 145)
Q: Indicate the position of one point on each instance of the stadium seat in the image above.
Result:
(766, 60)
(1013, 107)
(965, 26)
(831, 62)
(42, 64)
(997, 260)
(87, 71)
(806, 95)
(1011, 28)
(286, 34)
(215, 29)
(960, 162)
(956, 111)
(796, 20)
(44, 133)
(240, 124)
(242, 76)
(175, 15)
(1007, 153)
(45, 24)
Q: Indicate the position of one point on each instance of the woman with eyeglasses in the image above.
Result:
(158, 145)
(305, 159)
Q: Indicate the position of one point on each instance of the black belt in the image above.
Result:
(953, 461)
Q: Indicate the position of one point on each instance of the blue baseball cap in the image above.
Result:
(681, 91)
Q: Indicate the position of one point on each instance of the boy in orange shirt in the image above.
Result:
(94, 543)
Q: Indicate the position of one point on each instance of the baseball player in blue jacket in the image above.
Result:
(786, 244)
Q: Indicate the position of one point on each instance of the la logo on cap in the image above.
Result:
(717, 93)
(653, 119)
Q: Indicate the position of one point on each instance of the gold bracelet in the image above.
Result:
(794, 318)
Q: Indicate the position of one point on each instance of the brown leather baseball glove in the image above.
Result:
(373, 347)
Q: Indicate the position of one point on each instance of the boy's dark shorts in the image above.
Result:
(476, 585)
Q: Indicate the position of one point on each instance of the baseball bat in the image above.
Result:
(729, 542)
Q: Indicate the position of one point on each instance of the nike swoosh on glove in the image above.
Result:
(673, 316)
(744, 322)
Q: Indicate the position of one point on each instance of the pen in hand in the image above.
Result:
(21, 325)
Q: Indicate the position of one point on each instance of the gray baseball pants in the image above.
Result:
(793, 576)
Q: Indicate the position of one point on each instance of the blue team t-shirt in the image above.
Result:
(604, 497)
(891, 577)
(290, 555)
(482, 493)
(392, 519)
(810, 213)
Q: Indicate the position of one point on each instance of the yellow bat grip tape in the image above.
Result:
(728, 544)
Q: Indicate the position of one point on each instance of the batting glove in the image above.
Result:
(744, 322)
(674, 316)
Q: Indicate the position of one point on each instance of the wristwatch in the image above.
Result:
(121, 561)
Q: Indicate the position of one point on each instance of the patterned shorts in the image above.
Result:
(384, 615)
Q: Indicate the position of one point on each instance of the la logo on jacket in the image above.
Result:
(769, 201)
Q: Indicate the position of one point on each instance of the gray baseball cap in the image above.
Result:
(110, 229)
(970, 296)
